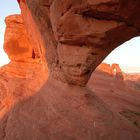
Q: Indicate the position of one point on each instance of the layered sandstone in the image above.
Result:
(105, 68)
(79, 34)
(113, 70)
(25, 73)
(21, 51)
(76, 36)
(17, 43)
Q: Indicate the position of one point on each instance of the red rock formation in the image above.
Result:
(113, 69)
(17, 43)
(116, 71)
(26, 72)
(105, 68)
(77, 35)
(121, 95)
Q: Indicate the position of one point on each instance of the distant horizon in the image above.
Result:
(128, 69)
(127, 55)
(131, 69)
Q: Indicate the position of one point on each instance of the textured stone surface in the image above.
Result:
(16, 42)
(121, 95)
(25, 73)
(79, 34)
(116, 71)
(105, 68)
(61, 112)
(113, 69)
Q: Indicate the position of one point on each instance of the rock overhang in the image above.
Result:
(78, 35)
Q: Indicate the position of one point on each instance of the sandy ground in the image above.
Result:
(121, 95)
(107, 109)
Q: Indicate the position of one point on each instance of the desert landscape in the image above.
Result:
(119, 92)
(56, 86)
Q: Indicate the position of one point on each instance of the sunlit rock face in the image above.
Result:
(104, 68)
(79, 34)
(16, 42)
(113, 70)
(23, 76)
(21, 50)
(25, 58)
(116, 71)
(25, 73)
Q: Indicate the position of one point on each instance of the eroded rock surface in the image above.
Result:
(113, 70)
(62, 112)
(17, 43)
(121, 95)
(79, 34)
(25, 73)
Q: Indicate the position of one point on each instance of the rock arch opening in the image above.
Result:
(77, 35)
(114, 71)
(122, 60)
(68, 44)
(127, 56)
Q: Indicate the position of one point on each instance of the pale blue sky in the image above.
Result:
(127, 55)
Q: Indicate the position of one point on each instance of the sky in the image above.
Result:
(127, 55)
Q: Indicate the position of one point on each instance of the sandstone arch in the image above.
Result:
(78, 35)
(118, 72)
(62, 111)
